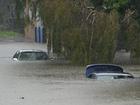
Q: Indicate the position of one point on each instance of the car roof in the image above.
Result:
(91, 65)
(115, 69)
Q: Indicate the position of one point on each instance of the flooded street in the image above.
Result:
(45, 83)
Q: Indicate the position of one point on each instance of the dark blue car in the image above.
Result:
(102, 68)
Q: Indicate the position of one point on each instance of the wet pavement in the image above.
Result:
(46, 83)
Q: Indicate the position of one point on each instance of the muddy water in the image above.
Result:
(49, 83)
(68, 84)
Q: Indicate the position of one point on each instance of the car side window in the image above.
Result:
(41, 56)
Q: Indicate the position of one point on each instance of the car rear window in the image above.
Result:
(103, 69)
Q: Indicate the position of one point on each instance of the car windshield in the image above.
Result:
(33, 56)
(16, 54)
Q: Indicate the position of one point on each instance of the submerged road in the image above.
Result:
(42, 83)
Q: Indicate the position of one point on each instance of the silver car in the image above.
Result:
(30, 55)
(104, 71)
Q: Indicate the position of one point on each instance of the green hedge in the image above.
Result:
(8, 34)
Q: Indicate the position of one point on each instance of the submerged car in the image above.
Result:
(30, 55)
(97, 71)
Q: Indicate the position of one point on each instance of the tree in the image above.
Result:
(88, 31)
(77, 34)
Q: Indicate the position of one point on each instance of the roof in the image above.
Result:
(91, 65)
(103, 68)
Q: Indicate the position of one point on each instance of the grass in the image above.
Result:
(8, 34)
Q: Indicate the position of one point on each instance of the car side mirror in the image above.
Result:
(15, 59)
